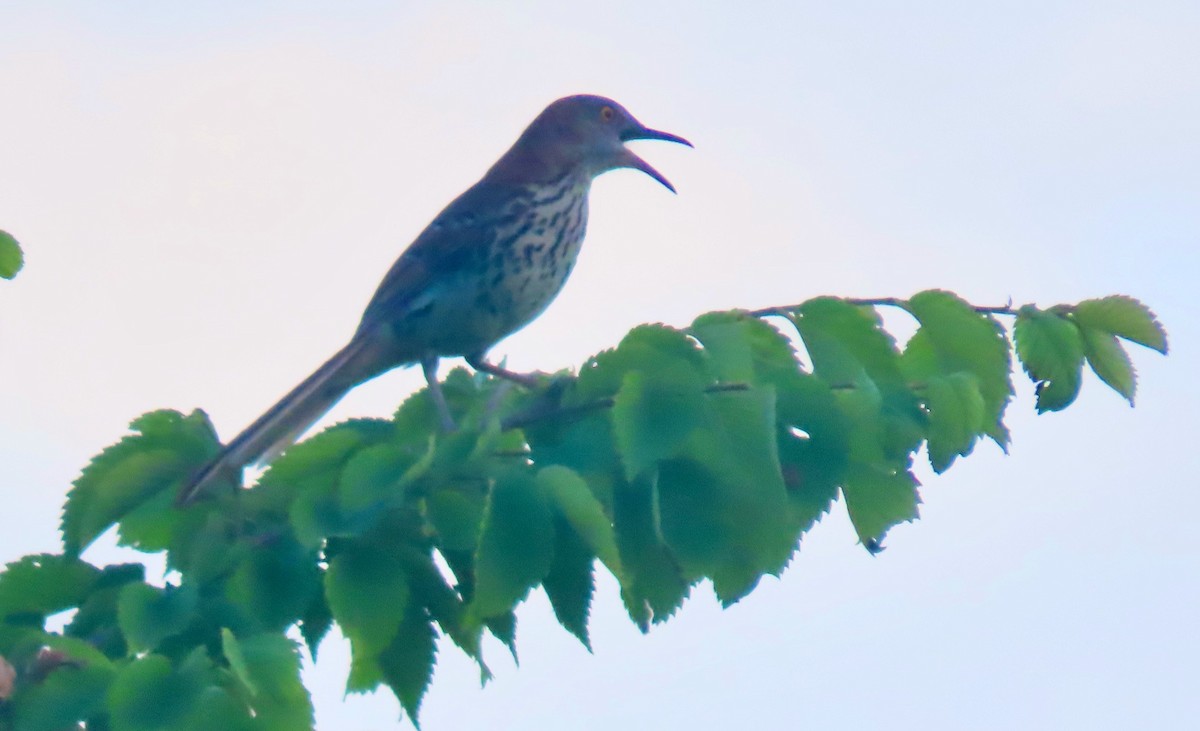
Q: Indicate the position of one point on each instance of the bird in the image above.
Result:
(486, 266)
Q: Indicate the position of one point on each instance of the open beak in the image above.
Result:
(633, 161)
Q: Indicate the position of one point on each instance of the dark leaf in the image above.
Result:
(1051, 352)
(407, 663)
(516, 546)
(571, 581)
(147, 615)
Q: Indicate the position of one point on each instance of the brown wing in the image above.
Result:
(453, 245)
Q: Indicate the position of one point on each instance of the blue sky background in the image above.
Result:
(208, 194)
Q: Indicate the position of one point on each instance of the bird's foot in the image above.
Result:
(528, 380)
(445, 420)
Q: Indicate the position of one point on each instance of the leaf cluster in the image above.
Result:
(678, 457)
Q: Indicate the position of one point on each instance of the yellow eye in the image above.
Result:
(607, 113)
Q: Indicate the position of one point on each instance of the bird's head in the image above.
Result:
(591, 132)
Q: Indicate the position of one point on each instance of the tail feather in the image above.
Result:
(284, 422)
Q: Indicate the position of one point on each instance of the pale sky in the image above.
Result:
(208, 195)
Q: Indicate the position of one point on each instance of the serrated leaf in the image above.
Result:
(954, 338)
(1124, 317)
(878, 499)
(813, 460)
(1051, 352)
(315, 623)
(367, 590)
(646, 347)
(654, 586)
(371, 478)
(653, 416)
(44, 584)
(444, 604)
(958, 413)
(846, 340)
(166, 448)
(149, 695)
(217, 708)
(316, 463)
(738, 347)
(504, 628)
(516, 545)
(571, 498)
(96, 620)
(274, 583)
(71, 694)
(571, 581)
(851, 352)
(237, 662)
(271, 663)
(456, 513)
(147, 615)
(11, 258)
(724, 507)
(407, 663)
(1110, 361)
(585, 445)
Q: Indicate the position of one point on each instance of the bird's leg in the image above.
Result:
(478, 363)
(429, 367)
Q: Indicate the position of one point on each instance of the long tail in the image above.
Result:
(284, 422)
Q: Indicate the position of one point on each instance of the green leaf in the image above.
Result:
(654, 414)
(571, 582)
(45, 584)
(852, 353)
(1110, 361)
(644, 348)
(573, 500)
(878, 499)
(504, 628)
(585, 445)
(149, 695)
(268, 666)
(1124, 317)
(740, 348)
(217, 708)
(443, 603)
(315, 623)
(315, 464)
(516, 546)
(456, 513)
(367, 590)
(70, 694)
(407, 663)
(846, 341)
(954, 338)
(724, 509)
(1051, 352)
(11, 258)
(96, 620)
(275, 582)
(653, 587)
(166, 448)
(147, 615)
(958, 412)
(813, 451)
(371, 478)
